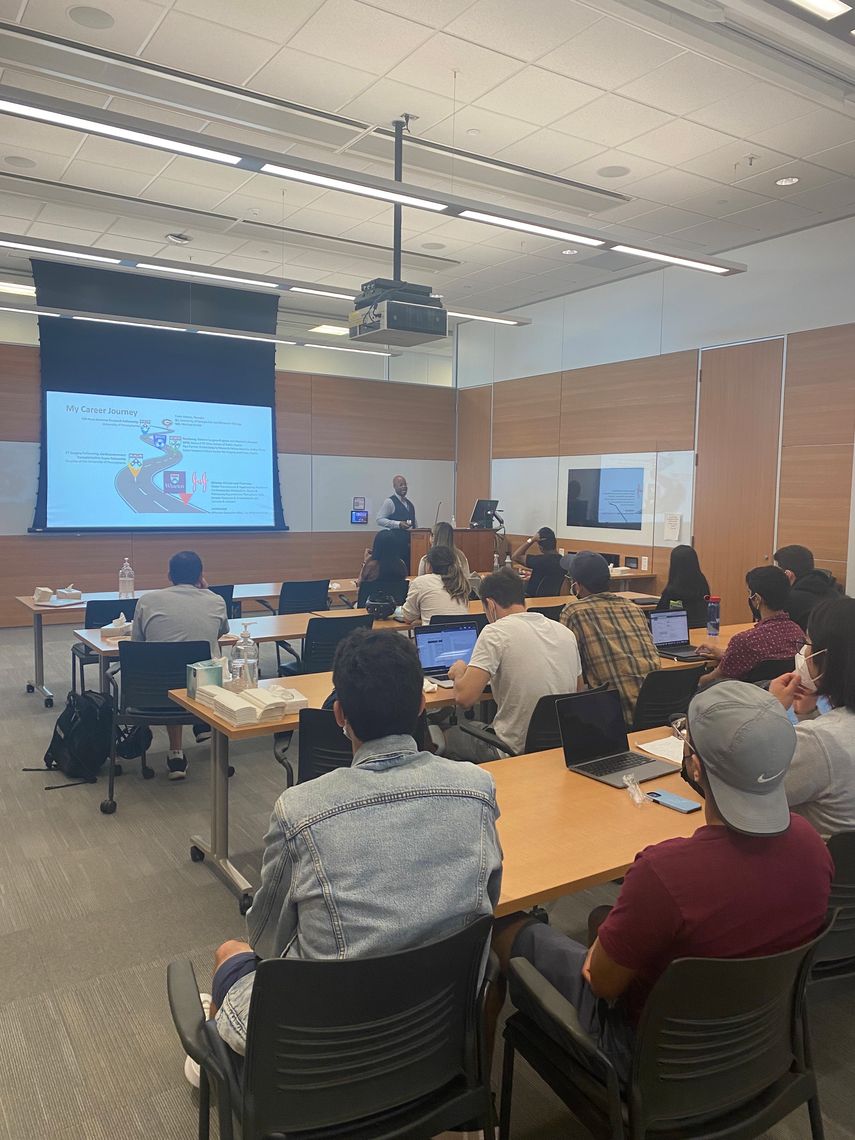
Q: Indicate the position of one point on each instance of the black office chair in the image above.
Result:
(769, 670)
(552, 612)
(301, 597)
(722, 1049)
(550, 585)
(320, 643)
(323, 747)
(98, 614)
(227, 594)
(140, 692)
(835, 955)
(542, 733)
(396, 588)
(663, 693)
(381, 1047)
(479, 620)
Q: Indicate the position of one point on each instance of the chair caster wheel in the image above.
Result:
(148, 773)
(117, 771)
(230, 772)
(31, 688)
(245, 902)
(108, 807)
(197, 855)
(48, 702)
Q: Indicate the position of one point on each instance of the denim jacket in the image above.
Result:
(398, 850)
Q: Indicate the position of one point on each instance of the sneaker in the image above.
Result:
(192, 1069)
(202, 733)
(177, 766)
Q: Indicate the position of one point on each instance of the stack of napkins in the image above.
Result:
(120, 627)
(42, 595)
(233, 708)
(207, 694)
(251, 706)
(69, 593)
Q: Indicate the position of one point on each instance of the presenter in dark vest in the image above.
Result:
(398, 513)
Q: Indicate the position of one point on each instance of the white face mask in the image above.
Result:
(805, 677)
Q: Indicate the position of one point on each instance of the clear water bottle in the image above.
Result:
(243, 661)
(495, 562)
(713, 615)
(508, 563)
(126, 580)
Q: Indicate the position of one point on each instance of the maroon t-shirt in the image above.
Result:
(717, 894)
(772, 639)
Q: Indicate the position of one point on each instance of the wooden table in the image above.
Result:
(698, 637)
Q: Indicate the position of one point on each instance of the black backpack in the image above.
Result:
(81, 737)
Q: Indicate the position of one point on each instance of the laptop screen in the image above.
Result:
(439, 646)
(669, 627)
(591, 726)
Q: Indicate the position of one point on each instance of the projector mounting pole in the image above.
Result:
(400, 125)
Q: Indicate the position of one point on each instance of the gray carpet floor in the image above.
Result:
(92, 908)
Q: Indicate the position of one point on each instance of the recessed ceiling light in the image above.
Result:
(331, 330)
(88, 17)
(16, 289)
(433, 245)
(473, 131)
(179, 239)
(791, 181)
(569, 252)
(613, 171)
(19, 161)
(825, 9)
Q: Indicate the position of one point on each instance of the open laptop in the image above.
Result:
(595, 744)
(439, 646)
(670, 632)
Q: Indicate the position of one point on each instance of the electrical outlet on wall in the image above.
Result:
(645, 563)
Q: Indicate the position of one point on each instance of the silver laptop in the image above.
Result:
(670, 632)
(439, 646)
(595, 744)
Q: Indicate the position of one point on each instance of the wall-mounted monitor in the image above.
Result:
(610, 498)
(359, 518)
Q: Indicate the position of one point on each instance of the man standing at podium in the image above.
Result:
(398, 513)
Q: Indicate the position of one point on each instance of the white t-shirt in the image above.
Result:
(821, 781)
(528, 657)
(427, 596)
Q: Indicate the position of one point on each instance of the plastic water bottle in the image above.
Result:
(495, 562)
(453, 522)
(243, 662)
(126, 580)
(508, 563)
(713, 615)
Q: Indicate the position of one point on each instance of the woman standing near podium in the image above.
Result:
(443, 535)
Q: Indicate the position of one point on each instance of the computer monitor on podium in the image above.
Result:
(483, 513)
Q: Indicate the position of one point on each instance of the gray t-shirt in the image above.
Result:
(528, 657)
(181, 613)
(821, 781)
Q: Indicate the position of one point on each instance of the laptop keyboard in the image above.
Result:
(619, 763)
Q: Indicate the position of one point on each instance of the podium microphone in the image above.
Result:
(436, 516)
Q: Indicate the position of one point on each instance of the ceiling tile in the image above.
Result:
(253, 209)
(112, 179)
(174, 193)
(677, 142)
(48, 166)
(153, 113)
(538, 96)
(108, 152)
(432, 67)
(436, 14)
(756, 108)
(627, 211)
(344, 31)
(609, 54)
(526, 30)
(183, 41)
(26, 81)
(209, 174)
(273, 189)
(133, 23)
(775, 215)
(70, 234)
(685, 83)
(549, 151)
(666, 220)
(16, 132)
(207, 243)
(809, 178)
(59, 214)
(386, 100)
(669, 186)
(839, 158)
(351, 206)
(839, 195)
(611, 160)
(269, 19)
(17, 206)
(256, 140)
(320, 222)
(298, 77)
(731, 163)
(611, 120)
(723, 200)
(9, 9)
(135, 247)
(808, 134)
(143, 229)
(719, 234)
(492, 131)
(251, 265)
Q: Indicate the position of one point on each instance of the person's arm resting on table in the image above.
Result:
(469, 683)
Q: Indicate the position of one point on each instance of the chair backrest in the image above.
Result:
(839, 942)
(479, 620)
(323, 746)
(550, 584)
(769, 670)
(149, 669)
(714, 1034)
(322, 638)
(551, 612)
(543, 731)
(663, 693)
(341, 1040)
(102, 613)
(304, 597)
(227, 594)
(396, 588)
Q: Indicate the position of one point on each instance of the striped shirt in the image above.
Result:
(615, 644)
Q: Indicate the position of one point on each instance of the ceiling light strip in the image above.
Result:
(245, 336)
(174, 271)
(487, 320)
(321, 293)
(28, 312)
(28, 247)
(825, 9)
(351, 187)
(341, 348)
(528, 227)
(128, 324)
(670, 259)
(17, 290)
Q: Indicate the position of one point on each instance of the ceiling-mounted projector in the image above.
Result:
(395, 312)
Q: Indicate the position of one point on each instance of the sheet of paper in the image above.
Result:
(671, 527)
(668, 748)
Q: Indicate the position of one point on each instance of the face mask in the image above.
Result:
(574, 590)
(808, 682)
(693, 784)
(755, 610)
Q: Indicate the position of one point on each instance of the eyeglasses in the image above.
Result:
(680, 728)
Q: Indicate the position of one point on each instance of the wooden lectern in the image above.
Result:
(477, 545)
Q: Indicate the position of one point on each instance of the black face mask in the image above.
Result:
(693, 784)
(755, 610)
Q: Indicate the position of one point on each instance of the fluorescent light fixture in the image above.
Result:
(687, 262)
(322, 293)
(528, 227)
(825, 9)
(488, 320)
(17, 290)
(173, 271)
(29, 248)
(341, 348)
(331, 330)
(94, 127)
(351, 187)
(130, 324)
(245, 336)
(29, 312)
(791, 181)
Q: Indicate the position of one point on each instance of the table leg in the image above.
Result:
(217, 850)
(104, 663)
(37, 685)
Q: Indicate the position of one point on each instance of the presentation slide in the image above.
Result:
(134, 462)
(605, 497)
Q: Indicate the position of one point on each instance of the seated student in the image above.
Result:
(774, 636)
(403, 842)
(444, 589)
(753, 880)
(547, 577)
(821, 781)
(383, 570)
(807, 584)
(612, 632)
(184, 611)
(687, 587)
(522, 656)
(443, 535)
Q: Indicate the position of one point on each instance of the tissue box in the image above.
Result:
(69, 594)
(42, 595)
(117, 629)
(204, 673)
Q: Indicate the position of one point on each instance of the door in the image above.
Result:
(739, 418)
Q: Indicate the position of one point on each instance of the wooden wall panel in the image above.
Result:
(819, 398)
(20, 393)
(474, 442)
(816, 484)
(526, 415)
(374, 418)
(294, 413)
(633, 405)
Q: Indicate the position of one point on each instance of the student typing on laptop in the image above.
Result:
(523, 656)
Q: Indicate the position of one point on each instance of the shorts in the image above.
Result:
(231, 971)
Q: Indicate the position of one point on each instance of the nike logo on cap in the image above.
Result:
(764, 779)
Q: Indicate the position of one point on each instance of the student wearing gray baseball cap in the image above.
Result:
(752, 880)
